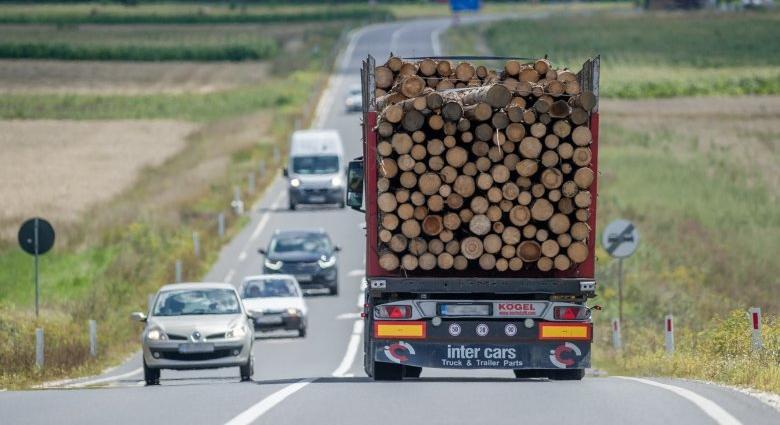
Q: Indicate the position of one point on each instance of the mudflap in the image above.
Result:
(537, 355)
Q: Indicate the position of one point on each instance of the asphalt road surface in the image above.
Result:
(320, 379)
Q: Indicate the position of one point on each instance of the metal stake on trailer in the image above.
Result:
(37, 288)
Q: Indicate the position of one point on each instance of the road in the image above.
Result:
(320, 379)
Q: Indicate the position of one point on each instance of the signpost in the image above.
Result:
(36, 237)
(620, 240)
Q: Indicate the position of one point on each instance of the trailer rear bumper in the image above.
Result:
(538, 355)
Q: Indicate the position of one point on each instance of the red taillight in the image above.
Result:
(394, 311)
(568, 313)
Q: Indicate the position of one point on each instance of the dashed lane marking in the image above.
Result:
(352, 349)
(260, 408)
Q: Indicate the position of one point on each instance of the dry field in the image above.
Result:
(747, 128)
(96, 77)
(58, 169)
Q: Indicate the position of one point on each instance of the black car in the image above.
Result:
(309, 255)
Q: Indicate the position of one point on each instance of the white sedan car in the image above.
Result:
(275, 301)
(354, 100)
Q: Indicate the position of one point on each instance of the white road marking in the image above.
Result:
(256, 233)
(435, 42)
(717, 413)
(242, 256)
(260, 408)
(229, 276)
(352, 349)
(356, 272)
(348, 316)
(105, 379)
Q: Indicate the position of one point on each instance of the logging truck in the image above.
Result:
(478, 187)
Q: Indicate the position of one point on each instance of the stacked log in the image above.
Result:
(482, 169)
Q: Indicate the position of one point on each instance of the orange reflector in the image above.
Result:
(399, 330)
(569, 331)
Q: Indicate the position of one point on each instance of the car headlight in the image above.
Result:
(336, 181)
(293, 311)
(295, 182)
(236, 330)
(325, 262)
(349, 102)
(156, 334)
(255, 313)
(273, 265)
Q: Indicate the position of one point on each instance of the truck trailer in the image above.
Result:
(531, 321)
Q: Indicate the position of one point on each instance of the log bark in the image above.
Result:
(495, 95)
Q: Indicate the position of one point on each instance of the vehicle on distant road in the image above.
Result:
(309, 255)
(354, 100)
(315, 172)
(196, 326)
(275, 302)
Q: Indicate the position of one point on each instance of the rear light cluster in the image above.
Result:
(570, 313)
(393, 311)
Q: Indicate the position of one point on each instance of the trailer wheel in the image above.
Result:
(412, 371)
(566, 375)
(388, 372)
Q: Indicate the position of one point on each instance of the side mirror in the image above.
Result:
(355, 185)
(261, 251)
(337, 248)
(138, 316)
(286, 172)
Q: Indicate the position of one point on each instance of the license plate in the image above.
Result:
(196, 348)
(303, 277)
(314, 199)
(464, 309)
(268, 320)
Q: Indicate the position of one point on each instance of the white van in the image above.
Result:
(315, 170)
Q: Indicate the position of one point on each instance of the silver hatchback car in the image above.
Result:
(196, 326)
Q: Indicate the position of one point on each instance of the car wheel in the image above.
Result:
(412, 371)
(151, 375)
(333, 290)
(302, 332)
(248, 369)
(566, 374)
(388, 371)
(292, 206)
(342, 204)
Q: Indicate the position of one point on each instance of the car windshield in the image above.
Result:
(300, 243)
(327, 164)
(269, 288)
(186, 302)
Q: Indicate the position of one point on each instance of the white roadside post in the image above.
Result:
(92, 338)
(669, 333)
(261, 168)
(755, 326)
(39, 348)
(237, 204)
(221, 225)
(178, 271)
(617, 343)
(196, 244)
(250, 183)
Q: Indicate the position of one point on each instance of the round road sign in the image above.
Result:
(28, 232)
(620, 238)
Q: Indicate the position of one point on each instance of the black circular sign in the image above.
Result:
(45, 236)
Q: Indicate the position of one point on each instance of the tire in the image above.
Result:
(342, 204)
(247, 370)
(302, 332)
(530, 373)
(412, 371)
(292, 206)
(388, 372)
(334, 290)
(151, 375)
(566, 374)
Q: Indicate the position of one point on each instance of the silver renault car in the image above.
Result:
(196, 326)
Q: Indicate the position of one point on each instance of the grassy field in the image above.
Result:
(184, 13)
(642, 54)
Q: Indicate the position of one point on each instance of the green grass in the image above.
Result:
(184, 13)
(191, 106)
(262, 49)
(649, 54)
(721, 353)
